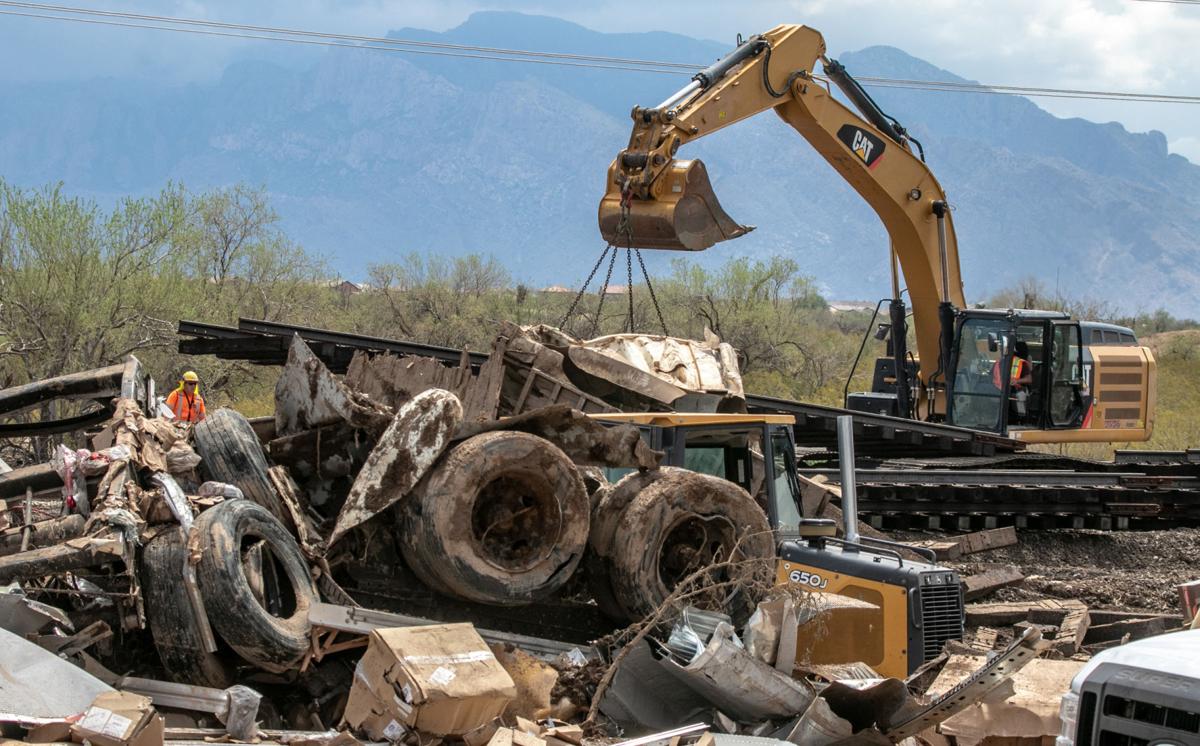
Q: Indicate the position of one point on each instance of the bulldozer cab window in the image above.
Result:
(721, 453)
(977, 402)
(787, 490)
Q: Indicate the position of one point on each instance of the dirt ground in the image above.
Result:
(1118, 570)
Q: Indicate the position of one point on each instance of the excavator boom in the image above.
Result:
(655, 201)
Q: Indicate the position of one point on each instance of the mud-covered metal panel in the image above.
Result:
(307, 396)
(411, 444)
(585, 441)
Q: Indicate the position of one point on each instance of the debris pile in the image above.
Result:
(503, 557)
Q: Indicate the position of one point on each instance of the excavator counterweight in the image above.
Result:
(682, 214)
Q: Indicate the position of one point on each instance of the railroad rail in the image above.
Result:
(964, 499)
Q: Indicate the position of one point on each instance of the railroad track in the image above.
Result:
(969, 499)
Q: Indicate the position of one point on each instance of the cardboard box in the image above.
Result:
(1028, 716)
(367, 713)
(55, 732)
(119, 719)
(440, 679)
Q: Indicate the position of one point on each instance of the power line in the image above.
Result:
(341, 37)
(1172, 2)
(316, 42)
(947, 85)
(442, 49)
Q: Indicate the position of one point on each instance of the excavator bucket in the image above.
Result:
(683, 215)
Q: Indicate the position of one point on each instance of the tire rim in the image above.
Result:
(516, 521)
(692, 542)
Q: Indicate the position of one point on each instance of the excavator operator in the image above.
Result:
(1020, 376)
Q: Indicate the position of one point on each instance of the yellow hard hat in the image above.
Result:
(191, 376)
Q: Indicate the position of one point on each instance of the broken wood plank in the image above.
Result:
(982, 541)
(945, 551)
(985, 583)
(1135, 628)
(1046, 611)
(996, 615)
(1107, 616)
(919, 680)
(1072, 619)
(954, 547)
(985, 638)
(72, 555)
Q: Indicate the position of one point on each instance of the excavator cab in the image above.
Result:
(1031, 376)
(680, 211)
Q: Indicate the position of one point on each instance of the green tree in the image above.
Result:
(79, 289)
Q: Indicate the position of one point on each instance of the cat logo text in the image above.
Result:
(863, 144)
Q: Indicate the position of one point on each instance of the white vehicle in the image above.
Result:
(1146, 693)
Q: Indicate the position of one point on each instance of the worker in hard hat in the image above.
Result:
(186, 401)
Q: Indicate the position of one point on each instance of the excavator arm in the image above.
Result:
(655, 200)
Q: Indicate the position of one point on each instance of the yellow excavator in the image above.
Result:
(1038, 376)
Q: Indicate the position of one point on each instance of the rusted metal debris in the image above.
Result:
(583, 439)
(95, 388)
(307, 396)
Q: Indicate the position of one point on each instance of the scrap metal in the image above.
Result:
(416, 437)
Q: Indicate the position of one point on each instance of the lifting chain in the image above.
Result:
(623, 228)
(629, 288)
(653, 297)
(603, 292)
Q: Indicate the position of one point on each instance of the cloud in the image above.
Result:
(1188, 147)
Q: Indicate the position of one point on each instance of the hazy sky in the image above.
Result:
(1122, 45)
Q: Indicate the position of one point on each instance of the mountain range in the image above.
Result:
(368, 155)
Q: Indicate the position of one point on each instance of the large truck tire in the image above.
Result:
(501, 519)
(608, 505)
(676, 523)
(169, 614)
(262, 616)
(230, 452)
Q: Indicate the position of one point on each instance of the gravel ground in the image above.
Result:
(1119, 570)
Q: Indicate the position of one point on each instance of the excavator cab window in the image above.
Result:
(982, 346)
(1026, 375)
(1066, 378)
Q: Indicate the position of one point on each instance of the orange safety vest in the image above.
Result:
(1018, 370)
(185, 409)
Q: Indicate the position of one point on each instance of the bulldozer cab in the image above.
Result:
(756, 452)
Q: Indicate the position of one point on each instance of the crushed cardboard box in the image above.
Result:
(119, 719)
(438, 679)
